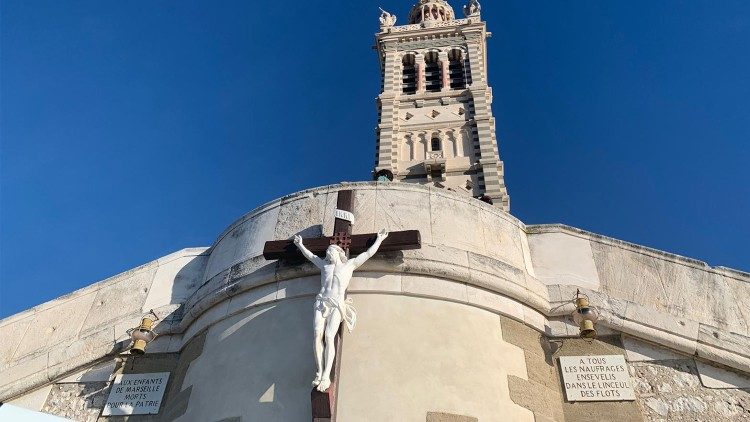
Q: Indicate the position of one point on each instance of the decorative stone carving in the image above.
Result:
(428, 12)
(387, 20)
(473, 9)
(452, 42)
(331, 306)
(404, 28)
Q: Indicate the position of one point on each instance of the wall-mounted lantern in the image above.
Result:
(585, 315)
(142, 335)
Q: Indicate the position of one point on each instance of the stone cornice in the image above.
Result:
(645, 250)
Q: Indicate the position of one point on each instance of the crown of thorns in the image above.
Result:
(338, 249)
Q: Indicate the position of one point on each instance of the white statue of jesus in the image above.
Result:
(331, 305)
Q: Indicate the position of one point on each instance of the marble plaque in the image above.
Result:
(596, 378)
(136, 394)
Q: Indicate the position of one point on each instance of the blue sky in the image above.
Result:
(134, 129)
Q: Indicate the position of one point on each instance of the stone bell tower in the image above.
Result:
(435, 123)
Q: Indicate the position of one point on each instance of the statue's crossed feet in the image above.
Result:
(316, 381)
(324, 384)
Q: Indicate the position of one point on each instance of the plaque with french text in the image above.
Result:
(596, 378)
(136, 394)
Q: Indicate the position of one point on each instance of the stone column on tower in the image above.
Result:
(419, 62)
(444, 71)
(386, 133)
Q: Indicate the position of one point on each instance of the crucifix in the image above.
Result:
(330, 255)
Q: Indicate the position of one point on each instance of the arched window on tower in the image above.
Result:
(456, 69)
(432, 75)
(409, 80)
(435, 144)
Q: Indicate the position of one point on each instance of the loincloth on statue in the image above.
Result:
(327, 304)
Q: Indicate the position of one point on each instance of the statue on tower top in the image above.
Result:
(387, 20)
(473, 9)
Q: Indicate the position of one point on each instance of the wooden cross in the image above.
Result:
(324, 403)
(342, 236)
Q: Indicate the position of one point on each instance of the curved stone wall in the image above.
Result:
(463, 239)
(466, 241)
(476, 263)
(442, 217)
(258, 360)
(441, 302)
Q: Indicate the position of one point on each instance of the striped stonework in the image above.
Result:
(442, 133)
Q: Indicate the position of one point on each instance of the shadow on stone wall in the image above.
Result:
(258, 362)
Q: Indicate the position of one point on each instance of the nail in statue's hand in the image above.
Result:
(382, 234)
(297, 239)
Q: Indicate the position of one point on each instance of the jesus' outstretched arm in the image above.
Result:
(318, 262)
(364, 256)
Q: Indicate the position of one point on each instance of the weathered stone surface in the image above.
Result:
(456, 223)
(175, 280)
(535, 319)
(255, 268)
(500, 277)
(212, 291)
(438, 261)
(730, 315)
(302, 215)
(448, 417)
(641, 351)
(254, 297)
(70, 355)
(494, 302)
(539, 391)
(102, 372)
(431, 287)
(535, 397)
(671, 390)
(306, 286)
(364, 211)
(713, 377)
(516, 333)
(405, 208)
(562, 258)
(20, 369)
(562, 327)
(119, 299)
(34, 400)
(375, 282)
(48, 328)
(735, 343)
(77, 401)
(502, 238)
(663, 321)
(243, 240)
(209, 317)
(674, 285)
(289, 270)
(12, 334)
